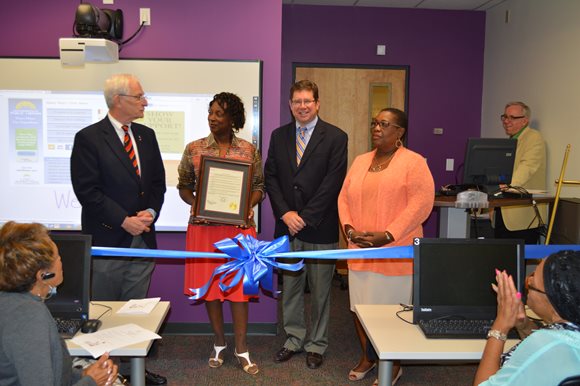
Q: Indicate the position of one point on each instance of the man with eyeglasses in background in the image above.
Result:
(304, 171)
(119, 179)
(523, 221)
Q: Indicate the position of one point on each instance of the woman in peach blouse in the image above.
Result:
(386, 196)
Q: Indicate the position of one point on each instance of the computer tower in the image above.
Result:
(566, 228)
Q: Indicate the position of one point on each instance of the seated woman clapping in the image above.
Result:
(549, 352)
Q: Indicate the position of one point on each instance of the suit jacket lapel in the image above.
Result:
(291, 146)
(117, 148)
(315, 139)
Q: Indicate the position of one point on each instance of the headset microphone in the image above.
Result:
(47, 275)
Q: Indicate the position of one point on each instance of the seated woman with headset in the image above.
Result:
(32, 351)
(551, 352)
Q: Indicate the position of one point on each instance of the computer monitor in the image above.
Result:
(73, 295)
(489, 162)
(453, 277)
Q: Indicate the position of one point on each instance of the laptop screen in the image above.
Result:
(452, 277)
(73, 295)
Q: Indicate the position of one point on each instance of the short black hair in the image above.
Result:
(400, 118)
(233, 107)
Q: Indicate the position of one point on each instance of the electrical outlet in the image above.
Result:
(449, 164)
(438, 131)
(145, 16)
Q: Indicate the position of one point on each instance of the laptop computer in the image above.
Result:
(452, 294)
(70, 305)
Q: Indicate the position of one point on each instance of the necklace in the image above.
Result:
(378, 166)
(224, 149)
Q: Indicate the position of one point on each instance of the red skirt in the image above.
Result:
(200, 238)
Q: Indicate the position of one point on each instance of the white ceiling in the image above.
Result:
(463, 5)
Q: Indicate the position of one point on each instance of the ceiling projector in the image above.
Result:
(77, 51)
(96, 36)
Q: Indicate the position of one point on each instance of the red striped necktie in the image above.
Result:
(129, 149)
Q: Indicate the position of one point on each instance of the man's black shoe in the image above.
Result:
(154, 379)
(150, 378)
(313, 360)
(283, 355)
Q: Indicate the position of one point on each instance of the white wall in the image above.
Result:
(535, 58)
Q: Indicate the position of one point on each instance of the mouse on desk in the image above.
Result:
(90, 325)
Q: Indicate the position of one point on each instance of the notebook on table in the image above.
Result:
(452, 294)
(70, 306)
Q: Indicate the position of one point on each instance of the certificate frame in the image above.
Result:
(223, 191)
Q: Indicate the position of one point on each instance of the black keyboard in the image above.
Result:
(67, 328)
(455, 328)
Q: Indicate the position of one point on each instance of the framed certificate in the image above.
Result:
(223, 191)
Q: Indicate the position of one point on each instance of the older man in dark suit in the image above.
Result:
(119, 179)
(304, 171)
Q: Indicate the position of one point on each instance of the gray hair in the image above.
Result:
(525, 107)
(117, 84)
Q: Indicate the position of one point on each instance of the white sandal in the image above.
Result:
(216, 361)
(247, 368)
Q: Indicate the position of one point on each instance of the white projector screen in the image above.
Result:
(43, 105)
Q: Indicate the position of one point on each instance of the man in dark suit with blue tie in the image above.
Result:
(304, 171)
(118, 177)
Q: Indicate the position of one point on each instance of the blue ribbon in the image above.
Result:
(254, 260)
(404, 252)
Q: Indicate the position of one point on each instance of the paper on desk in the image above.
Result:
(113, 338)
(139, 306)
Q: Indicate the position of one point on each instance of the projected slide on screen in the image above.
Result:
(37, 129)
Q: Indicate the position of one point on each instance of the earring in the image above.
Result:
(398, 143)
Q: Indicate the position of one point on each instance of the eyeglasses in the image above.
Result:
(504, 117)
(531, 287)
(384, 124)
(140, 98)
(299, 102)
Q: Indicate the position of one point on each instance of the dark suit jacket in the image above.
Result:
(312, 188)
(107, 186)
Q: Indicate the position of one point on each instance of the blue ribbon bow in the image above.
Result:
(252, 260)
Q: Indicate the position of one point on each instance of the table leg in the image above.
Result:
(138, 371)
(385, 373)
(454, 223)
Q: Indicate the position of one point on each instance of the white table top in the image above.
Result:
(394, 339)
(150, 322)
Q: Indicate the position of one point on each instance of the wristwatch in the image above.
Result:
(497, 335)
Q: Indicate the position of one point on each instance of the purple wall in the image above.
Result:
(217, 29)
(444, 50)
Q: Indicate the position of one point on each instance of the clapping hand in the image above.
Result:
(510, 309)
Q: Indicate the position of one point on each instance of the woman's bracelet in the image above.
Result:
(349, 234)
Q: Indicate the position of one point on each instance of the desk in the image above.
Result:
(138, 351)
(394, 339)
(455, 222)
